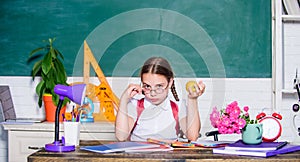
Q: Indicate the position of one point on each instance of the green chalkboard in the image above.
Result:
(200, 38)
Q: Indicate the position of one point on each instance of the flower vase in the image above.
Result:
(252, 134)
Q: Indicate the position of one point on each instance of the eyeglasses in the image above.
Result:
(158, 89)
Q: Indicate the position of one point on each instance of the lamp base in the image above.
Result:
(59, 146)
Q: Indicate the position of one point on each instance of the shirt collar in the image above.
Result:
(164, 105)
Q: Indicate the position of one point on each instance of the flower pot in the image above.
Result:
(50, 109)
(252, 133)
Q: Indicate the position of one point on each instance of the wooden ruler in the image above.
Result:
(88, 60)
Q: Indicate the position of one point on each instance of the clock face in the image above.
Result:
(271, 128)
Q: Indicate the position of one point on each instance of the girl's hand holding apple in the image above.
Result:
(195, 89)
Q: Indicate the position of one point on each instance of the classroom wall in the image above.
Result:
(291, 62)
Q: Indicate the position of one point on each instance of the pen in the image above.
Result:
(158, 142)
(77, 117)
(80, 115)
(63, 116)
(283, 144)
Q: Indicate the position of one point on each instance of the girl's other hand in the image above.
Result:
(197, 90)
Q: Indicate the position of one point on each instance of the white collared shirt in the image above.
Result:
(155, 122)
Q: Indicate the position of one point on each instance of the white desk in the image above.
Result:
(36, 135)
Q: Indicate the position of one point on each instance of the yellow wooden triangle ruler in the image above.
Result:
(108, 100)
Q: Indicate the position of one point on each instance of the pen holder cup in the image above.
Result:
(72, 133)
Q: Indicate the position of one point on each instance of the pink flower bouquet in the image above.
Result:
(230, 120)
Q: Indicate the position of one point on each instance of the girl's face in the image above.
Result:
(155, 87)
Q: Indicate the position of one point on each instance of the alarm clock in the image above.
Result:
(271, 126)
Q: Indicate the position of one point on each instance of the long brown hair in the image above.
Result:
(159, 65)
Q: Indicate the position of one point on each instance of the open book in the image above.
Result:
(210, 144)
(129, 146)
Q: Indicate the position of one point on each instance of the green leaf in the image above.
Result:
(46, 63)
(53, 54)
(50, 83)
(59, 54)
(35, 51)
(39, 88)
(60, 71)
(51, 40)
(55, 99)
(36, 68)
(40, 102)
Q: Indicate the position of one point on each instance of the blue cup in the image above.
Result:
(252, 133)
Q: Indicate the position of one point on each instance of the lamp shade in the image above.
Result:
(75, 93)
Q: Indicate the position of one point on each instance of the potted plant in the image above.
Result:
(50, 68)
(234, 120)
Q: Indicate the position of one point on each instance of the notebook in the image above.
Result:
(264, 146)
(285, 149)
(8, 112)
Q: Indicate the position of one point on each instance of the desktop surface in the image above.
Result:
(187, 154)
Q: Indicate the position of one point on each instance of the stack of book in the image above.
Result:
(264, 149)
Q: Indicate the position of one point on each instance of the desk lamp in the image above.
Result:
(75, 93)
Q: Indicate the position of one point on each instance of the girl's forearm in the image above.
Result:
(193, 120)
(122, 123)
